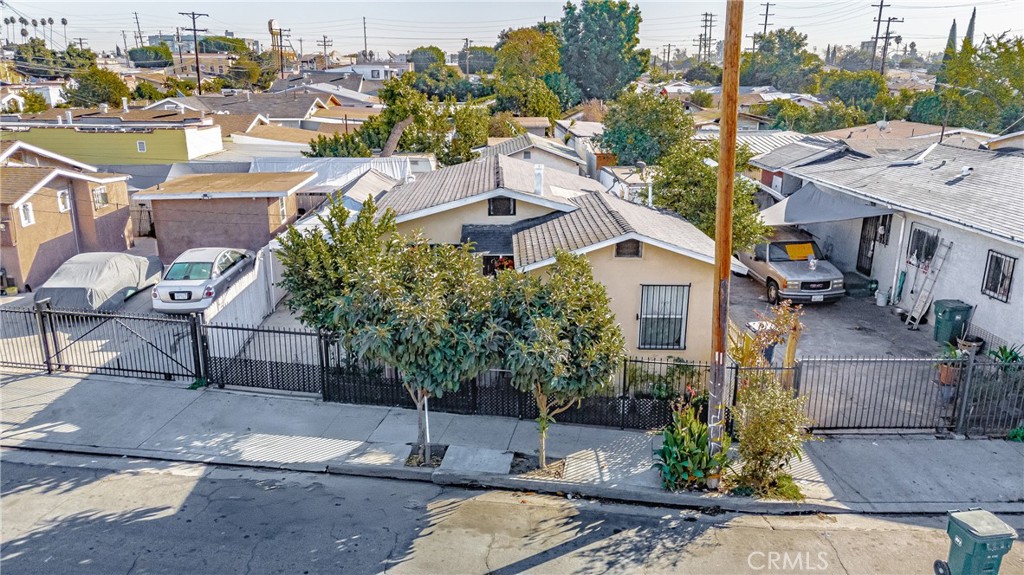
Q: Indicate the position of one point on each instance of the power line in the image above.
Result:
(195, 39)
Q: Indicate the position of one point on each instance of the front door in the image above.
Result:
(867, 245)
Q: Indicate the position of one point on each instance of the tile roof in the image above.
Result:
(760, 141)
(990, 199)
(231, 183)
(489, 239)
(348, 80)
(582, 129)
(527, 141)
(293, 104)
(283, 134)
(372, 183)
(802, 152)
(602, 217)
(16, 182)
(480, 176)
(533, 121)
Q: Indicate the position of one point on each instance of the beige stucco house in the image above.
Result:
(658, 268)
(537, 150)
(52, 208)
(236, 210)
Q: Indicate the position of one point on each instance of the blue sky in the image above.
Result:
(400, 26)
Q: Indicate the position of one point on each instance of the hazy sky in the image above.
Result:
(401, 26)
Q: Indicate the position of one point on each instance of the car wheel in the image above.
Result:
(772, 292)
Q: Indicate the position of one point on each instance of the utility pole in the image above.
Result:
(764, 28)
(124, 37)
(466, 45)
(177, 42)
(668, 55)
(301, 51)
(81, 42)
(195, 39)
(707, 24)
(325, 44)
(878, 29)
(699, 43)
(885, 46)
(138, 31)
(723, 218)
(366, 52)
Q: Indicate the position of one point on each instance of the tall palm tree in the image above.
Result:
(64, 23)
(49, 22)
(35, 28)
(42, 22)
(7, 32)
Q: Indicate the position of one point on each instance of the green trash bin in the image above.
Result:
(950, 318)
(978, 541)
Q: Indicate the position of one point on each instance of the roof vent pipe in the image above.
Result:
(70, 117)
(538, 179)
(124, 103)
(104, 108)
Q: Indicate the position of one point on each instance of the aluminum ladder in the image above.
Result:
(924, 298)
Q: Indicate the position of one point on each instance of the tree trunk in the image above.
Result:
(418, 397)
(542, 424)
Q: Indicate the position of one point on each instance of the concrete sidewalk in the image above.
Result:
(163, 420)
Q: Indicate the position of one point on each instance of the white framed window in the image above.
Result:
(64, 200)
(282, 209)
(28, 216)
(629, 249)
(99, 197)
(998, 276)
(663, 311)
(140, 146)
(374, 74)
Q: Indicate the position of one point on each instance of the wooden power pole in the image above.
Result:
(195, 39)
(723, 217)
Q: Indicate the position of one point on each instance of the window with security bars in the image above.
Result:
(998, 276)
(924, 241)
(663, 311)
(99, 197)
(884, 229)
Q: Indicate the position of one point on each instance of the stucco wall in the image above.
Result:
(623, 278)
(960, 278)
(446, 227)
(163, 146)
(202, 141)
(236, 223)
(107, 228)
(44, 245)
(538, 156)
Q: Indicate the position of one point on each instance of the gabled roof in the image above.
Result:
(194, 103)
(282, 134)
(603, 220)
(342, 93)
(350, 81)
(482, 178)
(237, 123)
(19, 183)
(528, 141)
(762, 141)
(931, 182)
(10, 147)
(581, 129)
(275, 105)
(233, 185)
(369, 185)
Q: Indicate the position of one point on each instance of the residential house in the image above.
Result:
(346, 80)
(537, 150)
(104, 136)
(285, 108)
(243, 211)
(52, 208)
(1011, 140)
(658, 269)
(584, 136)
(709, 120)
(50, 90)
(536, 125)
(11, 100)
(629, 182)
(886, 216)
(884, 136)
(375, 71)
(344, 96)
(238, 123)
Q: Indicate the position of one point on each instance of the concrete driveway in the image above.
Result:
(849, 327)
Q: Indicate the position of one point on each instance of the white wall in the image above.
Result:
(960, 278)
(200, 142)
(253, 297)
(538, 156)
(840, 241)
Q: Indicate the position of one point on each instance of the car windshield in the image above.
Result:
(189, 271)
(793, 251)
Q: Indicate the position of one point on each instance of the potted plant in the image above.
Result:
(971, 344)
(950, 364)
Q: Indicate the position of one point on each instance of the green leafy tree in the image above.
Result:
(146, 91)
(213, 44)
(478, 59)
(34, 102)
(947, 55)
(702, 99)
(559, 338)
(705, 72)
(855, 60)
(525, 96)
(600, 48)
(173, 86)
(553, 27)
(781, 60)
(852, 88)
(504, 125)
(338, 145)
(444, 82)
(471, 125)
(644, 126)
(687, 183)
(152, 56)
(426, 311)
(244, 73)
(426, 56)
(562, 87)
(527, 52)
(33, 58)
(832, 116)
(97, 86)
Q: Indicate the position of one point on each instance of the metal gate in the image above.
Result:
(119, 344)
(268, 358)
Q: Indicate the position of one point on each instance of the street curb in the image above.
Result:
(633, 495)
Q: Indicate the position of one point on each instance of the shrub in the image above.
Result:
(1016, 434)
(685, 460)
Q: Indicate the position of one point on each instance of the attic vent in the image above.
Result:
(629, 249)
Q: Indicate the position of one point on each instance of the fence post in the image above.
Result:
(964, 399)
(41, 326)
(798, 370)
(197, 347)
(321, 348)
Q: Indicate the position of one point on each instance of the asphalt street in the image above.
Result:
(77, 514)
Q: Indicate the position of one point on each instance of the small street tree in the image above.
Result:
(644, 126)
(422, 309)
(559, 337)
(600, 48)
(96, 86)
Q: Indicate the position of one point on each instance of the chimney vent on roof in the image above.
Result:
(538, 179)
(248, 96)
(966, 171)
(104, 108)
(70, 117)
(124, 103)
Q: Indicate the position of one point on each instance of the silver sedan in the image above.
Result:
(198, 276)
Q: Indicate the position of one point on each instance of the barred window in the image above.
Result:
(64, 200)
(27, 214)
(998, 276)
(99, 197)
(884, 229)
(924, 241)
(663, 311)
